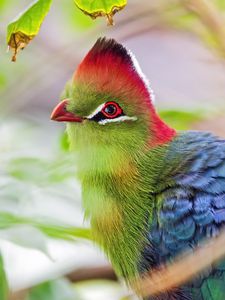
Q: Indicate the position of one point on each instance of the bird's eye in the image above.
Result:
(107, 112)
(111, 110)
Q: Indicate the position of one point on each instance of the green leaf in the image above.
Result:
(66, 233)
(49, 228)
(59, 289)
(8, 220)
(27, 25)
(40, 171)
(99, 8)
(181, 120)
(4, 290)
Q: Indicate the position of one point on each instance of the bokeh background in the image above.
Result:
(180, 45)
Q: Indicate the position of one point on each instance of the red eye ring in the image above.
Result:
(111, 110)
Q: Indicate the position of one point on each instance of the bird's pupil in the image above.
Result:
(110, 109)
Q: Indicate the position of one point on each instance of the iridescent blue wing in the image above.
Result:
(191, 207)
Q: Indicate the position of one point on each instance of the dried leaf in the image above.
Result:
(26, 26)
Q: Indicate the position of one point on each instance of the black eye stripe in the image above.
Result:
(100, 117)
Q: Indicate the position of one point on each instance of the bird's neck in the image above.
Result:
(118, 202)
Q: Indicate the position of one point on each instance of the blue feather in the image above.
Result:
(192, 208)
(219, 201)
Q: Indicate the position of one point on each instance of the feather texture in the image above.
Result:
(190, 210)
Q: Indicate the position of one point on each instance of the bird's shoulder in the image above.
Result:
(190, 201)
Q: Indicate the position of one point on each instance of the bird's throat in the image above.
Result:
(116, 204)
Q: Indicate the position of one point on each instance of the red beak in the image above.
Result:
(60, 114)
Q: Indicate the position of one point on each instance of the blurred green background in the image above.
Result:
(44, 248)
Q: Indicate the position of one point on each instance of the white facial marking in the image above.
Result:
(97, 110)
(142, 75)
(119, 119)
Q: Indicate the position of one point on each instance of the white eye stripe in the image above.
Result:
(119, 119)
(97, 110)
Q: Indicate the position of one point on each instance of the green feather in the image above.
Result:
(213, 289)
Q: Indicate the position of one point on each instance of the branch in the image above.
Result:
(184, 268)
(92, 273)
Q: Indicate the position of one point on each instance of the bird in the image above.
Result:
(150, 192)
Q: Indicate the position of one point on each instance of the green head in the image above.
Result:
(109, 104)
